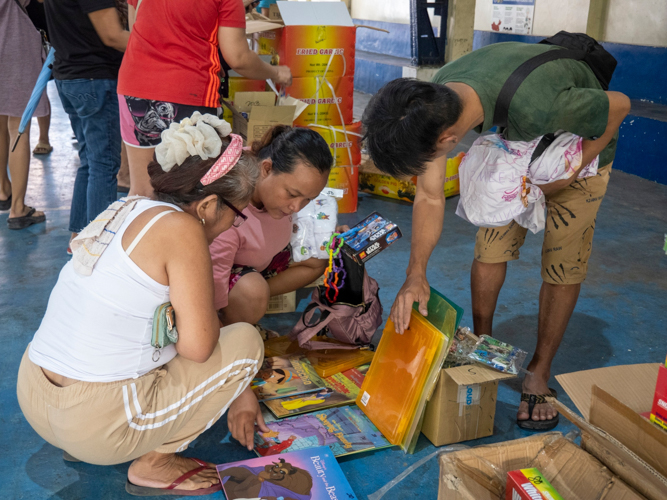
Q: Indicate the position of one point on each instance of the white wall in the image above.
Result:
(639, 22)
(389, 11)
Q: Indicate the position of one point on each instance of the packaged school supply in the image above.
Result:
(499, 355)
(405, 369)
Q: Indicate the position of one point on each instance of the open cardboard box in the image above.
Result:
(611, 400)
(480, 473)
(463, 404)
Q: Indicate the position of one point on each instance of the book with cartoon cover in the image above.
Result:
(345, 430)
(341, 389)
(311, 474)
(282, 376)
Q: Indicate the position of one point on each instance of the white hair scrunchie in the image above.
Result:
(197, 135)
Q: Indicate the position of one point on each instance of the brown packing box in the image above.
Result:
(611, 400)
(480, 473)
(282, 303)
(260, 119)
(463, 404)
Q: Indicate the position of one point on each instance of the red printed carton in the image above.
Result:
(659, 410)
(529, 484)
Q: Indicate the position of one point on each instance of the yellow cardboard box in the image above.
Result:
(372, 181)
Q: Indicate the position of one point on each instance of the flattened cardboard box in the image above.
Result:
(611, 400)
(463, 405)
(480, 473)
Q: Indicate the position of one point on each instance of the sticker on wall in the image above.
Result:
(513, 16)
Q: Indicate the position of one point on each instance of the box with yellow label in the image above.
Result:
(347, 179)
(318, 39)
(372, 181)
(330, 101)
(344, 142)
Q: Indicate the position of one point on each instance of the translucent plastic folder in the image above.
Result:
(405, 369)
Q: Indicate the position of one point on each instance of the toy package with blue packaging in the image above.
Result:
(370, 237)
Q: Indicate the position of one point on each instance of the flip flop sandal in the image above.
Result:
(6, 204)
(25, 221)
(537, 425)
(145, 491)
(42, 149)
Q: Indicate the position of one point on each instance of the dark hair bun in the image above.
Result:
(287, 145)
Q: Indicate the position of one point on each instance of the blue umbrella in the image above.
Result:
(37, 92)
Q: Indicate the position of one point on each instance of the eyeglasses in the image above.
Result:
(240, 217)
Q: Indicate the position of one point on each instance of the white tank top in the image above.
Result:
(98, 328)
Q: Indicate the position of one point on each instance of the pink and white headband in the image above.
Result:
(226, 162)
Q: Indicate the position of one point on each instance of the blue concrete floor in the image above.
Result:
(620, 319)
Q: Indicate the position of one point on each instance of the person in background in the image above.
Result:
(21, 61)
(93, 348)
(264, 6)
(252, 263)
(412, 125)
(89, 40)
(35, 10)
(171, 69)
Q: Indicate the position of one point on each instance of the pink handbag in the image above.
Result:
(347, 323)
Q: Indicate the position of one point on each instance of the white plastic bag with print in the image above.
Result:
(491, 176)
(312, 227)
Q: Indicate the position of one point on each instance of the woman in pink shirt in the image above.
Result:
(252, 263)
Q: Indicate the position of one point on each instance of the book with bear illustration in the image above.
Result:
(282, 376)
(311, 474)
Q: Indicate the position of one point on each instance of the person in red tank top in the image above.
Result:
(171, 68)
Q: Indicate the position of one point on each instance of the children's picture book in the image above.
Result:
(345, 430)
(282, 376)
(341, 389)
(311, 474)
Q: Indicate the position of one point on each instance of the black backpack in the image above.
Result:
(578, 46)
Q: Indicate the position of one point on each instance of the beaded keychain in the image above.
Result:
(335, 271)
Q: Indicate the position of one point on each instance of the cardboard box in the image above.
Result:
(611, 400)
(316, 37)
(344, 142)
(282, 303)
(347, 179)
(659, 410)
(329, 102)
(480, 473)
(260, 119)
(529, 484)
(373, 181)
(463, 405)
(240, 84)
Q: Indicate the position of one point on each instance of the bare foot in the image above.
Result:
(160, 470)
(534, 384)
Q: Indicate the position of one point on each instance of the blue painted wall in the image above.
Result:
(369, 75)
(395, 43)
(641, 74)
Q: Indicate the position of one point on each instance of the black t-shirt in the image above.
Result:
(79, 51)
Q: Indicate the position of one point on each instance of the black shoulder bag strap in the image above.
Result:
(500, 114)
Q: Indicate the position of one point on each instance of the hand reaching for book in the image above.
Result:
(243, 413)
